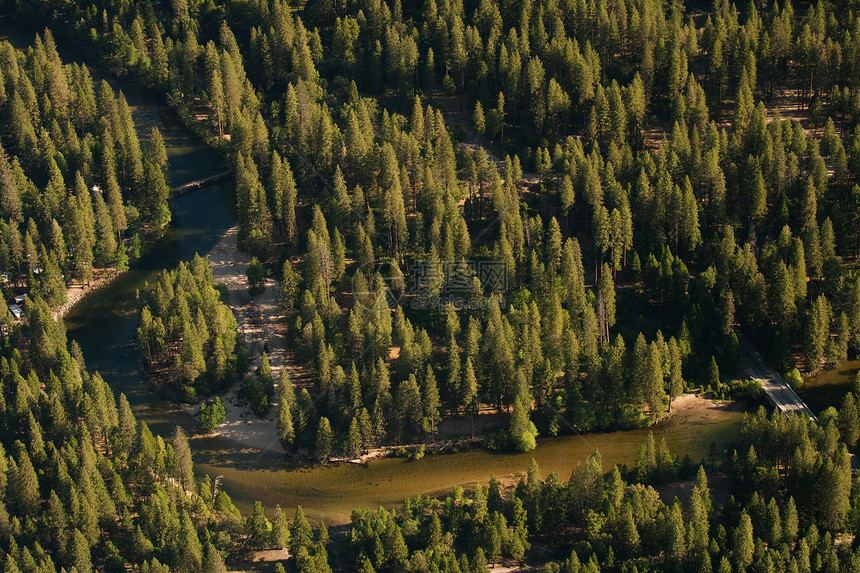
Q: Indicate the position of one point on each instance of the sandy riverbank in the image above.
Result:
(259, 321)
(692, 411)
(75, 292)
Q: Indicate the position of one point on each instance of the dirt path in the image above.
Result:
(259, 320)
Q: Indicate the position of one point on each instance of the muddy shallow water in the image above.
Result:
(330, 493)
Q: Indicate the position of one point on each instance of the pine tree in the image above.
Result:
(602, 235)
(654, 392)
(430, 402)
(78, 553)
(553, 250)
(115, 206)
(790, 522)
(690, 230)
(51, 285)
(628, 534)
(212, 560)
(558, 105)
(354, 439)
(713, 374)
(157, 150)
(408, 405)
(215, 86)
(127, 430)
(338, 254)
(211, 416)
(184, 466)
(394, 214)
(478, 119)
(469, 388)
(758, 196)
(255, 219)
(742, 549)
(256, 274)
(24, 484)
(834, 507)
(105, 245)
(773, 531)
(156, 193)
(700, 507)
(606, 302)
(566, 195)
(817, 332)
(849, 420)
(258, 527)
(676, 380)
(290, 280)
(500, 109)
(323, 444)
(300, 532)
(191, 362)
(522, 430)
(677, 542)
(264, 371)
(808, 206)
(283, 190)
(286, 405)
(396, 551)
(453, 371)
(280, 528)
(188, 548)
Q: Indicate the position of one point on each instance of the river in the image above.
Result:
(104, 323)
(828, 387)
(330, 493)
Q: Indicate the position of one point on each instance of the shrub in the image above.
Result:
(794, 379)
(211, 416)
(739, 389)
(255, 393)
(256, 273)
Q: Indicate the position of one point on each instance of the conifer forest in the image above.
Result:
(458, 231)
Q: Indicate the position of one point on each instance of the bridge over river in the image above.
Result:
(203, 182)
(779, 393)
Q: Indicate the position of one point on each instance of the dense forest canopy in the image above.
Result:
(79, 191)
(650, 155)
(649, 178)
(187, 334)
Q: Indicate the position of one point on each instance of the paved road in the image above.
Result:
(778, 391)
